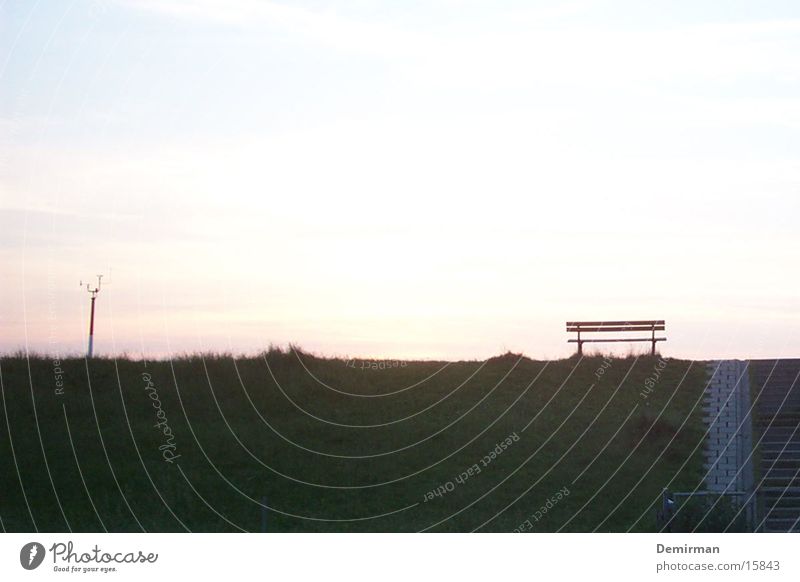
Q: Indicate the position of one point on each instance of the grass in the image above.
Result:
(314, 437)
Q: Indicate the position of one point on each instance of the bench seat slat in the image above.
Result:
(600, 340)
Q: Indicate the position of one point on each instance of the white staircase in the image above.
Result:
(777, 425)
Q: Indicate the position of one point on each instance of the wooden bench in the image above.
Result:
(651, 326)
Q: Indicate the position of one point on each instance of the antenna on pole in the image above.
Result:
(93, 291)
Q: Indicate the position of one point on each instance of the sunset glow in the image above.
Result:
(367, 182)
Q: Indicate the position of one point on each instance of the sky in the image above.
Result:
(448, 179)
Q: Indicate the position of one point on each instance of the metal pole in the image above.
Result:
(653, 350)
(93, 292)
(91, 328)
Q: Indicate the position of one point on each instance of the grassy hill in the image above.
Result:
(197, 443)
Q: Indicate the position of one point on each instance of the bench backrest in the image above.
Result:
(641, 325)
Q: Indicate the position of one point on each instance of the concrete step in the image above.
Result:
(762, 418)
(761, 385)
(775, 412)
(780, 455)
(779, 373)
(778, 421)
(778, 394)
(781, 433)
(779, 428)
(781, 525)
(787, 447)
(776, 505)
(777, 432)
(791, 514)
(777, 502)
(768, 464)
(767, 490)
(768, 404)
(780, 482)
(786, 451)
(774, 366)
(785, 490)
(787, 459)
(776, 390)
(786, 378)
(777, 378)
(782, 504)
(762, 432)
(767, 445)
(778, 408)
(771, 405)
(779, 473)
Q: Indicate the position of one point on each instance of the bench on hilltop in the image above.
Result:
(651, 326)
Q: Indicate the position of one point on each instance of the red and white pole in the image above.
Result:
(91, 328)
(94, 293)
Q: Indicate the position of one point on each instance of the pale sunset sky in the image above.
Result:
(445, 179)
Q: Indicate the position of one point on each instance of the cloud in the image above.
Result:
(497, 47)
(327, 27)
